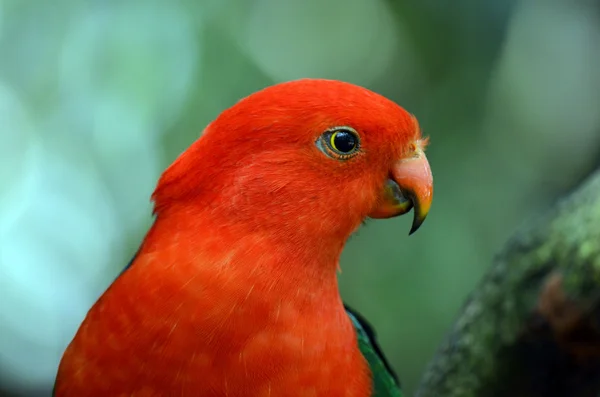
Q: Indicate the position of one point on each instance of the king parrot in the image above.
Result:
(233, 291)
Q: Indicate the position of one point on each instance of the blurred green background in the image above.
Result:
(98, 97)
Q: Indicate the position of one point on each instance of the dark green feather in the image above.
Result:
(385, 381)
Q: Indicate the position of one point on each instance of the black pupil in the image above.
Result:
(344, 141)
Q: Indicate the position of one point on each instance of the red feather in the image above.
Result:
(234, 289)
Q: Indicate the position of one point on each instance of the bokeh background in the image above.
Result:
(98, 97)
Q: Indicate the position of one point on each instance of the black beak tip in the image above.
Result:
(417, 220)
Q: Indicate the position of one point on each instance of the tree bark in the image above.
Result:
(532, 326)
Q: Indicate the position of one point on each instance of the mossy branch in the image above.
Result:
(532, 326)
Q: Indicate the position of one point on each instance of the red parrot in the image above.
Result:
(233, 291)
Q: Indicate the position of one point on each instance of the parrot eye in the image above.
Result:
(339, 142)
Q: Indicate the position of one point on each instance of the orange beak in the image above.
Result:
(410, 185)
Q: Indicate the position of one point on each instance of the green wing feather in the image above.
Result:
(385, 381)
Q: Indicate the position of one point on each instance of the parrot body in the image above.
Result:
(233, 291)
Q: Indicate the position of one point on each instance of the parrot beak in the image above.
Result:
(410, 185)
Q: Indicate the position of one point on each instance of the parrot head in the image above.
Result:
(307, 158)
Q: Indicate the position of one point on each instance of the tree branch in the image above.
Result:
(532, 327)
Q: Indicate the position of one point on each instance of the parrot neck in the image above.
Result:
(288, 251)
(246, 309)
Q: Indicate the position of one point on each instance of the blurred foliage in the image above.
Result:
(97, 97)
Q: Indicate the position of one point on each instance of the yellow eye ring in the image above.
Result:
(339, 142)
